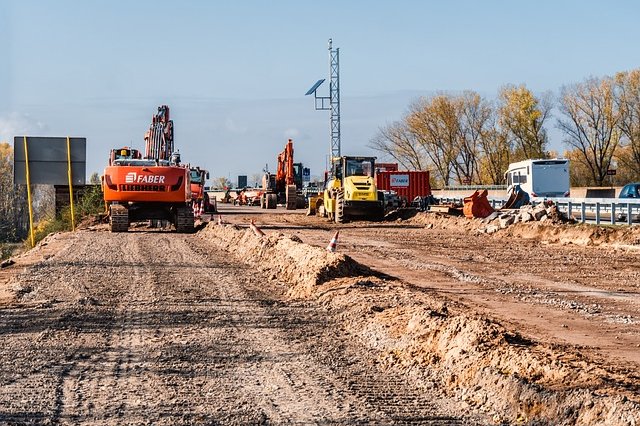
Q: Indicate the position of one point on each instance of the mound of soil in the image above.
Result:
(433, 340)
(548, 231)
(301, 265)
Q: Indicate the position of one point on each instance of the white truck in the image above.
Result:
(540, 178)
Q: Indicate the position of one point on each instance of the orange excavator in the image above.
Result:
(284, 186)
(153, 187)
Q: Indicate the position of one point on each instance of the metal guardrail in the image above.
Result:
(599, 210)
(475, 187)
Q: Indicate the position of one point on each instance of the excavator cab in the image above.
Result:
(198, 176)
(125, 153)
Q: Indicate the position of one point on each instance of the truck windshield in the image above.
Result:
(195, 176)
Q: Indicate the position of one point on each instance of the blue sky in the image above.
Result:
(234, 73)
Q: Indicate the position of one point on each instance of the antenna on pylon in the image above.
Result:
(333, 99)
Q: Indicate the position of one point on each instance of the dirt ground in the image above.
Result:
(165, 328)
(416, 321)
(569, 291)
(575, 284)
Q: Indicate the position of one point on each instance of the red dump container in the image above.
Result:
(408, 184)
(386, 167)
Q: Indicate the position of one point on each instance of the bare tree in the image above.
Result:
(434, 123)
(523, 116)
(591, 124)
(475, 116)
(94, 179)
(628, 103)
(256, 179)
(580, 173)
(398, 142)
(14, 220)
(221, 182)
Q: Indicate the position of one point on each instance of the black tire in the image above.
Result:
(118, 218)
(339, 211)
(301, 203)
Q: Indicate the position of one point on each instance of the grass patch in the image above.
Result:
(7, 249)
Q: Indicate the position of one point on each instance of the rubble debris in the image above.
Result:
(7, 263)
(504, 218)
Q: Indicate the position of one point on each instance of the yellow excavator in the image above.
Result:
(350, 191)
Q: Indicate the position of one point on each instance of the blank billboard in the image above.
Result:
(48, 160)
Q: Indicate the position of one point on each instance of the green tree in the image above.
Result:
(523, 116)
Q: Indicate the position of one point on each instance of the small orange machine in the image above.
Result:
(200, 201)
(285, 185)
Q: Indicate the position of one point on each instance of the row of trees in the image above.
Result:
(14, 219)
(468, 139)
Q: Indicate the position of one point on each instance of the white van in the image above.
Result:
(540, 178)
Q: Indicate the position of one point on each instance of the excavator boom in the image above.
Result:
(159, 137)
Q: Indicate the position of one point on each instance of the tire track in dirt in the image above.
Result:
(159, 328)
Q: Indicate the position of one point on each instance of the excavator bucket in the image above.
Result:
(316, 205)
(517, 198)
(477, 205)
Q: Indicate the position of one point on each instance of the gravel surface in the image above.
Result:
(165, 328)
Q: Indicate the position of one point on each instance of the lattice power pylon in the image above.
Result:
(333, 99)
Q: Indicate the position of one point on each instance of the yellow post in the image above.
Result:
(26, 162)
(73, 218)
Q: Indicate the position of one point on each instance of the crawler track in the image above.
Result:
(119, 218)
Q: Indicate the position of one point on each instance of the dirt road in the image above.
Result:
(165, 328)
(557, 293)
(533, 311)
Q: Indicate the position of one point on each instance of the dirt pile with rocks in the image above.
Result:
(439, 343)
(554, 229)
